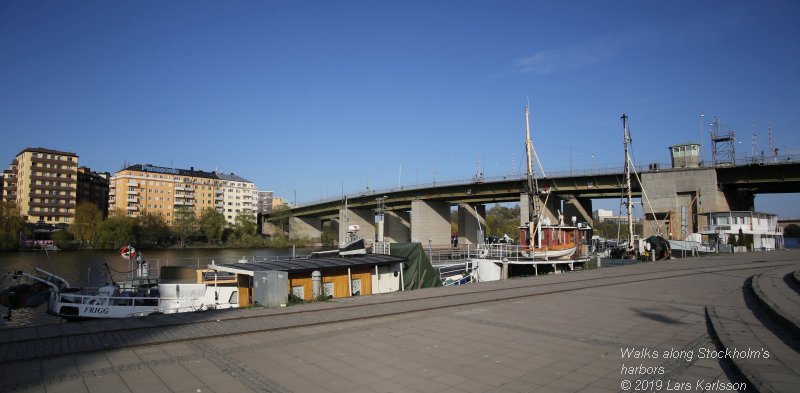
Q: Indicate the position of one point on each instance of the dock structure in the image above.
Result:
(588, 331)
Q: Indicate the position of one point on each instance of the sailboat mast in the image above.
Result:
(532, 186)
(627, 141)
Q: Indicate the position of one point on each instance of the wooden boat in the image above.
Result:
(540, 239)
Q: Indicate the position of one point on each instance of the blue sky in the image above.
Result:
(311, 97)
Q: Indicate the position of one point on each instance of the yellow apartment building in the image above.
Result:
(159, 191)
(43, 184)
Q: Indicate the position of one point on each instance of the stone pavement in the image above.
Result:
(557, 333)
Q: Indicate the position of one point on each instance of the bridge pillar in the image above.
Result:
(305, 227)
(678, 199)
(330, 232)
(468, 219)
(430, 220)
(364, 218)
(580, 208)
(397, 227)
(550, 211)
(271, 229)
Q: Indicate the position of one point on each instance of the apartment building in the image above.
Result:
(240, 196)
(154, 190)
(93, 188)
(43, 184)
(264, 202)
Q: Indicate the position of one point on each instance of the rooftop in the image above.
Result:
(308, 265)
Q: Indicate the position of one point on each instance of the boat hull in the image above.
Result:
(550, 254)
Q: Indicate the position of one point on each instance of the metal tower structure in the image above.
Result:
(723, 151)
(753, 141)
(773, 151)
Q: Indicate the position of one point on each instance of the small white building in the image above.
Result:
(767, 235)
(602, 214)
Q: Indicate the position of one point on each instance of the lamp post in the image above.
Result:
(381, 202)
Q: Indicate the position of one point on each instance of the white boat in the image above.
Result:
(690, 246)
(175, 292)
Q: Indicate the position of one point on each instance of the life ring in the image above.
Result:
(128, 252)
(484, 252)
(94, 301)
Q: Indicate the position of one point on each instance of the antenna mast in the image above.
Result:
(773, 151)
(753, 152)
(627, 141)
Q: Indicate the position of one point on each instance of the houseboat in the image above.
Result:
(734, 228)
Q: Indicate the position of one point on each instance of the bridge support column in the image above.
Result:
(364, 218)
(397, 227)
(430, 220)
(580, 208)
(550, 211)
(679, 198)
(271, 229)
(470, 221)
(305, 227)
(330, 232)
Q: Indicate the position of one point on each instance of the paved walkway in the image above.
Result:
(558, 333)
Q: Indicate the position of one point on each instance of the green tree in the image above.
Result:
(151, 229)
(63, 239)
(11, 225)
(501, 220)
(212, 224)
(117, 231)
(244, 226)
(184, 223)
(87, 219)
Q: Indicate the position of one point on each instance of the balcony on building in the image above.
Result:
(132, 208)
(133, 199)
(51, 187)
(133, 192)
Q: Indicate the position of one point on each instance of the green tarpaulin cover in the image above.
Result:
(418, 272)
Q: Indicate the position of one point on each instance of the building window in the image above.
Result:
(298, 291)
(327, 290)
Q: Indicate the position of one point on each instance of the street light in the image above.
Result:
(381, 202)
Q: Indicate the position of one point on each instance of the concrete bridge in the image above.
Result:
(422, 213)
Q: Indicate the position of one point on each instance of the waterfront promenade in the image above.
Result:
(559, 333)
